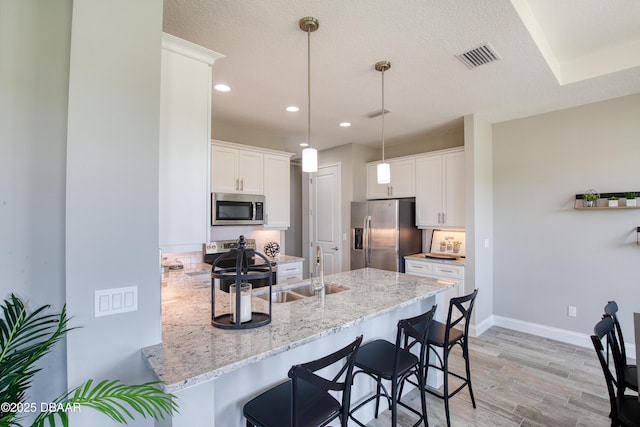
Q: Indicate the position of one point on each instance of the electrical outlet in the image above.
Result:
(571, 311)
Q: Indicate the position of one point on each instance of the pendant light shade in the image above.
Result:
(384, 173)
(310, 160)
(383, 169)
(309, 155)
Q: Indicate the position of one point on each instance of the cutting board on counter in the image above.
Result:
(447, 244)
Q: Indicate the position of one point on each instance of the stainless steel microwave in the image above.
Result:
(237, 209)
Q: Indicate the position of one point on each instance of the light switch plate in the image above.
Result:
(115, 301)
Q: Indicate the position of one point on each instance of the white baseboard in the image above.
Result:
(575, 338)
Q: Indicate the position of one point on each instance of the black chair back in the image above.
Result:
(414, 331)
(339, 382)
(460, 309)
(611, 310)
(605, 328)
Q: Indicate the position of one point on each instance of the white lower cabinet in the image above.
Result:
(289, 272)
(438, 270)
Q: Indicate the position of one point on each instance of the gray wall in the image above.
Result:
(479, 216)
(112, 185)
(546, 254)
(34, 71)
(453, 136)
(293, 236)
(79, 194)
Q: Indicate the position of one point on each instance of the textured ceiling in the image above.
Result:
(554, 54)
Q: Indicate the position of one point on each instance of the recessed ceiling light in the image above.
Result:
(345, 124)
(221, 87)
(304, 144)
(292, 109)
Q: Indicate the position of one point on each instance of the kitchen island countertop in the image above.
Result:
(193, 351)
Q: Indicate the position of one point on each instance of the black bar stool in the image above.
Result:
(447, 336)
(304, 400)
(625, 410)
(382, 360)
(626, 374)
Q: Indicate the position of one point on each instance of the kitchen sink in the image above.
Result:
(298, 293)
(307, 291)
(330, 289)
(281, 296)
(304, 290)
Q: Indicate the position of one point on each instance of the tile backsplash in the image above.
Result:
(188, 259)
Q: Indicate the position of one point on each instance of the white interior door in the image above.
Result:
(326, 219)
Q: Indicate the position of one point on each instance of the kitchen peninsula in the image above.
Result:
(213, 372)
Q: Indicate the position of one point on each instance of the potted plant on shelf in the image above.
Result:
(631, 198)
(26, 336)
(613, 202)
(590, 198)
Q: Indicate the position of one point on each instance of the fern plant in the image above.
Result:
(27, 336)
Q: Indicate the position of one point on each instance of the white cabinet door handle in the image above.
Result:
(242, 185)
(237, 184)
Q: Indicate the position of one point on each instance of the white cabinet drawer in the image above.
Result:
(290, 272)
(418, 268)
(445, 270)
(289, 278)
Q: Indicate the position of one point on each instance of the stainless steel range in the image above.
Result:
(213, 250)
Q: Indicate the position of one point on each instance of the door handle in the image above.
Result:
(335, 248)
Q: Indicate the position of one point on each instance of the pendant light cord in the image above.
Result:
(383, 115)
(309, 86)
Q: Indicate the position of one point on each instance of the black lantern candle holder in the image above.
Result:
(241, 274)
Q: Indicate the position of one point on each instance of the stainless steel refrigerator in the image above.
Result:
(382, 233)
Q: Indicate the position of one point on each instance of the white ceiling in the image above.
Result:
(554, 54)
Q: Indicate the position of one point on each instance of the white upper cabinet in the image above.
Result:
(402, 180)
(235, 170)
(440, 189)
(185, 117)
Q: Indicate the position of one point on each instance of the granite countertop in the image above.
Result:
(421, 257)
(193, 351)
(281, 259)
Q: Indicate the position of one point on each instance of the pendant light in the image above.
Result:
(309, 155)
(383, 169)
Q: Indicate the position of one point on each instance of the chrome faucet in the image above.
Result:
(318, 288)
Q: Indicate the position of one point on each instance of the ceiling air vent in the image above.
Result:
(377, 113)
(477, 56)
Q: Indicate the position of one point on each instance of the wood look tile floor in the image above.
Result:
(519, 380)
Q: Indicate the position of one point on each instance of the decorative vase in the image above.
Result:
(613, 203)
(589, 203)
(631, 202)
(272, 249)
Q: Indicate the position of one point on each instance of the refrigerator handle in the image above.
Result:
(367, 247)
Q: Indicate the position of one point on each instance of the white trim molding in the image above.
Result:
(557, 334)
